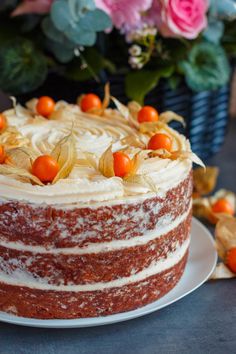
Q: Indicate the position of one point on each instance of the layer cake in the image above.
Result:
(92, 245)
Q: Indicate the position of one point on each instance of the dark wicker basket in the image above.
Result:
(206, 113)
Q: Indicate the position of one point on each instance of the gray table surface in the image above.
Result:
(202, 322)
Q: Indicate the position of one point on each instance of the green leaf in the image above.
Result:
(96, 62)
(228, 40)
(63, 53)
(23, 67)
(139, 83)
(52, 32)
(206, 68)
(60, 15)
(174, 81)
(96, 20)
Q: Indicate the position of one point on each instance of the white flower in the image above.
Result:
(135, 62)
(135, 50)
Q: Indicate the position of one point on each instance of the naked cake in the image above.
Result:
(108, 232)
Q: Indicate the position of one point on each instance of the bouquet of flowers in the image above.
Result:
(145, 40)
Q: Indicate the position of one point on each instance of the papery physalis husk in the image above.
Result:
(151, 127)
(105, 164)
(19, 173)
(87, 159)
(162, 153)
(224, 194)
(65, 154)
(31, 105)
(107, 96)
(134, 107)
(124, 111)
(12, 138)
(20, 111)
(22, 157)
(222, 272)
(177, 155)
(105, 102)
(225, 236)
(202, 207)
(135, 164)
(143, 180)
(133, 140)
(79, 99)
(204, 180)
(182, 155)
(64, 112)
(14, 104)
(168, 116)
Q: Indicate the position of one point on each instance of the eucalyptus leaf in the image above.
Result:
(206, 68)
(214, 31)
(80, 36)
(79, 7)
(223, 9)
(52, 32)
(63, 53)
(60, 15)
(96, 20)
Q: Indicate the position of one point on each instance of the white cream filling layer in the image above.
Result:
(18, 279)
(104, 246)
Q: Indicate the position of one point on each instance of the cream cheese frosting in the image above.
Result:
(94, 134)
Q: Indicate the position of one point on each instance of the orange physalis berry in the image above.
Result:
(45, 167)
(3, 122)
(89, 102)
(222, 206)
(45, 106)
(160, 141)
(147, 114)
(2, 154)
(122, 164)
(231, 259)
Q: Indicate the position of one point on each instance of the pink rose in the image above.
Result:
(125, 14)
(179, 18)
(33, 6)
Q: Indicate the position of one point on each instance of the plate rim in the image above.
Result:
(110, 319)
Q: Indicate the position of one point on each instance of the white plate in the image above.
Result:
(201, 263)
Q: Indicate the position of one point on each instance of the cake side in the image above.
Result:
(45, 304)
(107, 262)
(49, 226)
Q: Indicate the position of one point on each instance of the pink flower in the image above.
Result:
(32, 6)
(125, 14)
(179, 18)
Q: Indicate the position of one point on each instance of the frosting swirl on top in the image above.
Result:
(94, 134)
